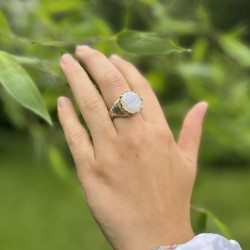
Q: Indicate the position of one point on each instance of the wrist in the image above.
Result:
(162, 234)
(173, 235)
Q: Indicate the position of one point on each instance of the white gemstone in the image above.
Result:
(131, 102)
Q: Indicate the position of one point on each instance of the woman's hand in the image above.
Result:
(137, 180)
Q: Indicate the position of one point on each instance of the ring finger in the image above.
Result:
(152, 111)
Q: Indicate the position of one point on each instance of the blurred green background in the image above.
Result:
(41, 203)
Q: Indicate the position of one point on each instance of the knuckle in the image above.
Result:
(114, 79)
(74, 137)
(91, 103)
(139, 141)
(92, 56)
(164, 135)
(140, 147)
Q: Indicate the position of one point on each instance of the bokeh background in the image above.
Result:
(41, 203)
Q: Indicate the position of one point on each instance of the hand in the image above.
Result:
(137, 180)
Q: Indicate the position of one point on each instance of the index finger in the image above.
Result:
(90, 102)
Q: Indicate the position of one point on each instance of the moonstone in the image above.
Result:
(131, 102)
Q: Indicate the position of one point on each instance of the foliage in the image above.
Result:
(34, 34)
(37, 33)
(204, 216)
(20, 86)
(145, 43)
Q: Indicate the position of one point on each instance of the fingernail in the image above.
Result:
(62, 101)
(116, 57)
(82, 47)
(67, 59)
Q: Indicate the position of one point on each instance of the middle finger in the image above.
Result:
(110, 80)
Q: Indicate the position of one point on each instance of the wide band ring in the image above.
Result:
(128, 104)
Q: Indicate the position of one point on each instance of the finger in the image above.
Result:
(90, 102)
(111, 82)
(75, 134)
(189, 139)
(151, 111)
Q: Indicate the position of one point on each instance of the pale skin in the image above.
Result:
(136, 178)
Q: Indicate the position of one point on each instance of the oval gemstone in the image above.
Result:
(131, 102)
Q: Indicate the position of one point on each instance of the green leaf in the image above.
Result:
(236, 49)
(20, 86)
(221, 226)
(201, 222)
(144, 43)
(32, 60)
(58, 163)
(63, 44)
(14, 111)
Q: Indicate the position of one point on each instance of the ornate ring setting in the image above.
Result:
(128, 104)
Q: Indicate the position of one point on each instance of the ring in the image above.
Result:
(128, 104)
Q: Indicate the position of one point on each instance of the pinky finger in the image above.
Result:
(76, 135)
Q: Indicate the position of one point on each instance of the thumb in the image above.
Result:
(190, 135)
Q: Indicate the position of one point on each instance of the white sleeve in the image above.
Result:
(209, 241)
